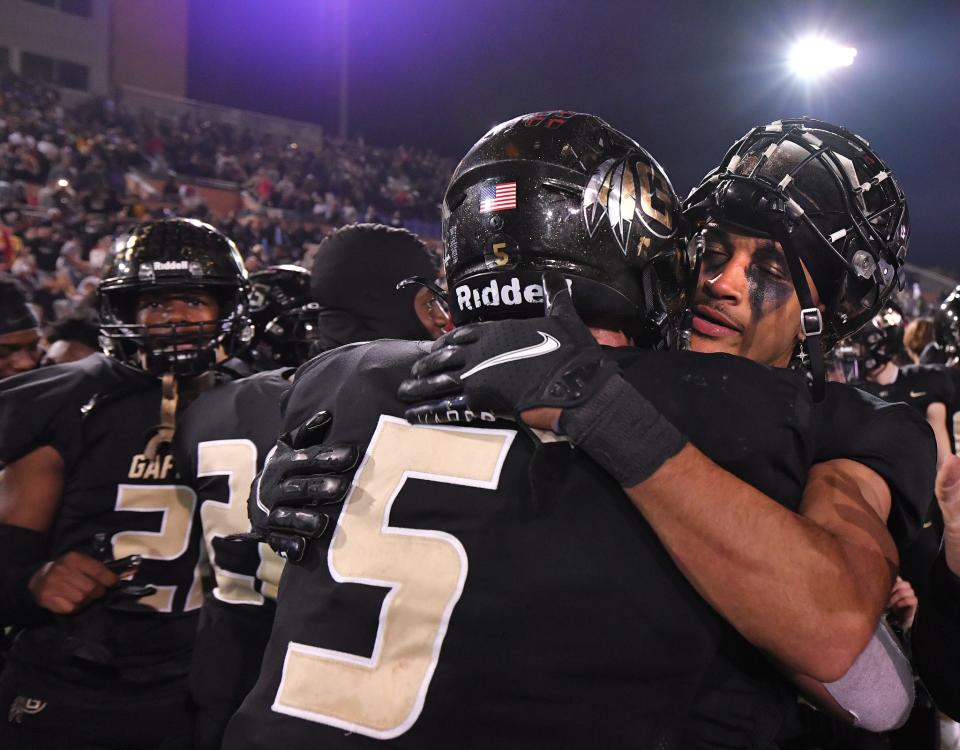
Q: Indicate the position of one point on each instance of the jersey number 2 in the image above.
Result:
(177, 505)
(382, 695)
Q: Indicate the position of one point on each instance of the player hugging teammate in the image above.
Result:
(620, 544)
(552, 527)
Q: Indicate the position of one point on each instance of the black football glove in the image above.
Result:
(501, 368)
(299, 478)
(506, 367)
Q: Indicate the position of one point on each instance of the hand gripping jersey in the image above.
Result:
(99, 415)
(220, 444)
(482, 589)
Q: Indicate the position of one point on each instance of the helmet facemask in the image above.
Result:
(832, 205)
(174, 255)
(182, 348)
(290, 337)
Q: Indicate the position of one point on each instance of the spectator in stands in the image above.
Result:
(72, 338)
(64, 172)
(19, 331)
(10, 244)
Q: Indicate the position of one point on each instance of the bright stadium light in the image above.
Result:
(813, 56)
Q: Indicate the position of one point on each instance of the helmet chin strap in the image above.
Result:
(811, 321)
(168, 416)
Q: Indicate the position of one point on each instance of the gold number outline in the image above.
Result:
(131, 541)
(234, 588)
(298, 652)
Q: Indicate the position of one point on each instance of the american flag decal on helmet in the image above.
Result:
(499, 197)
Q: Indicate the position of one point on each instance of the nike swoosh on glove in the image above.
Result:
(501, 368)
(299, 478)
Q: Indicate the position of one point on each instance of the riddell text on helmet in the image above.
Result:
(495, 294)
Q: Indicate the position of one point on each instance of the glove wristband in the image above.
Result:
(623, 432)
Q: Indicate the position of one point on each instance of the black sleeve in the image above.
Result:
(893, 440)
(936, 639)
(44, 407)
(22, 553)
(371, 366)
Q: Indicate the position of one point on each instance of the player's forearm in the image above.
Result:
(31, 489)
(788, 585)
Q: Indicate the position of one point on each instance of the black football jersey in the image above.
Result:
(100, 414)
(220, 445)
(483, 589)
(743, 698)
(919, 386)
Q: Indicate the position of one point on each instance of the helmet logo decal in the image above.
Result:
(170, 265)
(258, 297)
(623, 190)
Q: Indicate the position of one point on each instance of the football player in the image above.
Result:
(19, 331)
(284, 317)
(928, 388)
(219, 446)
(224, 436)
(101, 555)
(944, 348)
(800, 194)
(795, 182)
(354, 281)
(535, 639)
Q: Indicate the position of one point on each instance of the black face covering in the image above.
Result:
(15, 314)
(354, 281)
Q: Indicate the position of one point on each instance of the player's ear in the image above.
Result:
(557, 302)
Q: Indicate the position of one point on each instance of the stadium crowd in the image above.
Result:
(168, 317)
(65, 188)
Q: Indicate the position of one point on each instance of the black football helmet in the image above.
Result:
(563, 190)
(946, 322)
(829, 200)
(173, 254)
(284, 318)
(878, 342)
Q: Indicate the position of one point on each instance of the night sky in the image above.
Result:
(685, 78)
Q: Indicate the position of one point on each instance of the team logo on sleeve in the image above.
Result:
(23, 706)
